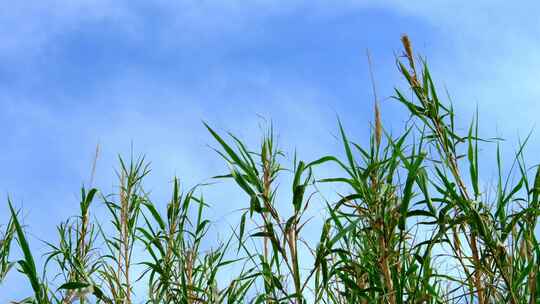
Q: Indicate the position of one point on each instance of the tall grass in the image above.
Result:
(415, 225)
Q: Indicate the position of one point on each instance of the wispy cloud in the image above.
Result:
(116, 72)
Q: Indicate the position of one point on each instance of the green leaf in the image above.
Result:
(73, 285)
(408, 192)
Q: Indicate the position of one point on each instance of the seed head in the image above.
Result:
(407, 46)
(378, 125)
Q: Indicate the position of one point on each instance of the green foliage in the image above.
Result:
(5, 246)
(416, 224)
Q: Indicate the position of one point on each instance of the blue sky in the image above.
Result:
(81, 72)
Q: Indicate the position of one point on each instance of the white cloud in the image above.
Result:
(485, 54)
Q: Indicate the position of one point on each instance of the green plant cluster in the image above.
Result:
(415, 225)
